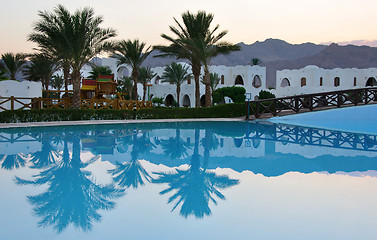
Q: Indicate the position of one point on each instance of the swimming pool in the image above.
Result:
(187, 180)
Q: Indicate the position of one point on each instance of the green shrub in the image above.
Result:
(265, 95)
(237, 94)
(220, 111)
(158, 101)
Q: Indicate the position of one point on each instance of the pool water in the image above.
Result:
(187, 180)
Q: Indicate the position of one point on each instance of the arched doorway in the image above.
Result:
(371, 82)
(203, 101)
(186, 101)
(239, 80)
(257, 81)
(169, 100)
(122, 72)
(285, 83)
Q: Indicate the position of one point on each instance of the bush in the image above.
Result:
(47, 115)
(158, 101)
(237, 94)
(265, 95)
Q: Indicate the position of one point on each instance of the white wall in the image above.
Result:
(24, 89)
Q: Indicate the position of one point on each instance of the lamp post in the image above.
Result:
(248, 98)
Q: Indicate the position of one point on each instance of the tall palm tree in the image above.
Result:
(41, 69)
(145, 77)
(133, 54)
(176, 74)
(57, 82)
(13, 64)
(195, 41)
(74, 38)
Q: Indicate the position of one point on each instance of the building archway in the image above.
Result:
(257, 81)
(238, 142)
(285, 83)
(371, 82)
(303, 82)
(122, 72)
(169, 100)
(336, 82)
(203, 101)
(157, 80)
(239, 80)
(186, 101)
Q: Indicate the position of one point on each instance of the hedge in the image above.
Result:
(45, 115)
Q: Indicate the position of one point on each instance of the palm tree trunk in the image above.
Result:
(178, 93)
(196, 73)
(76, 78)
(135, 75)
(66, 74)
(144, 90)
(207, 82)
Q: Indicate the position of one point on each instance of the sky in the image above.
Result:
(248, 21)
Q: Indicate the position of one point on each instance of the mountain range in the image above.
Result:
(277, 54)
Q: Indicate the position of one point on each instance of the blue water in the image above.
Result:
(192, 180)
(360, 119)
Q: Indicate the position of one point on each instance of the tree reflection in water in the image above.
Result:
(72, 196)
(195, 187)
(133, 173)
(14, 161)
(47, 156)
(175, 147)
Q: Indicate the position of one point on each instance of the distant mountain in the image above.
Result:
(333, 56)
(267, 51)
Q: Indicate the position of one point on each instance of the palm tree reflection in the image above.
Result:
(133, 173)
(72, 197)
(175, 147)
(13, 161)
(47, 156)
(195, 187)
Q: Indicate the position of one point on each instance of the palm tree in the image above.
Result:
(41, 69)
(145, 77)
(176, 74)
(57, 82)
(255, 61)
(131, 53)
(196, 42)
(214, 82)
(13, 64)
(125, 85)
(97, 70)
(74, 38)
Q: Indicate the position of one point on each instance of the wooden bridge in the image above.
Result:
(310, 102)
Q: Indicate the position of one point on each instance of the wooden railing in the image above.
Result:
(19, 103)
(311, 102)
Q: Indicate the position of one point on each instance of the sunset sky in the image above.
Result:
(295, 21)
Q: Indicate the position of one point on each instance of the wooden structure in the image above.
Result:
(311, 102)
(104, 85)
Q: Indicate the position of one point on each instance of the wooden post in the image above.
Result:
(12, 103)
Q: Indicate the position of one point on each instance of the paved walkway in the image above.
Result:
(87, 122)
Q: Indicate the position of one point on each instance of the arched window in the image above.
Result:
(222, 79)
(371, 82)
(337, 82)
(321, 81)
(285, 83)
(256, 81)
(239, 80)
(303, 82)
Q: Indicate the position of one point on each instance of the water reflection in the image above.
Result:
(72, 196)
(195, 187)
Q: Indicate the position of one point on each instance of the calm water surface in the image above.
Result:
(195, 180)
